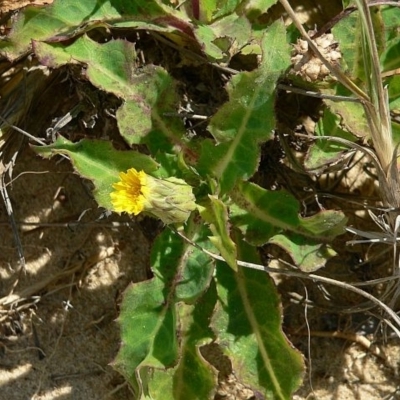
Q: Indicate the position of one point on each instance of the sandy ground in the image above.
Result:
(58, 340)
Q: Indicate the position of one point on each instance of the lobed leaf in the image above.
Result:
(155, 329)
(352, 116)
(110, 66)
(225, 37)
(327, 152)
(255, 8)
(193, 378)
(308, 255)
(98, 161)
(247, 323)
(260, 214)
(143, 117)
(61, 21)
(247, 118)
(148, 94)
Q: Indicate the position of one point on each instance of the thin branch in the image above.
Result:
(303, 275)
(318, 95)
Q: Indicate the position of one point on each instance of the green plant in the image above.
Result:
(192, 299)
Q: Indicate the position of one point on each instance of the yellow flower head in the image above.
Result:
(169, 199)
(130, 191)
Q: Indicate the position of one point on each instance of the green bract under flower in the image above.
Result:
(170, 199)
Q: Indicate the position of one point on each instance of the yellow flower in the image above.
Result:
(129, 194)
(169, 199)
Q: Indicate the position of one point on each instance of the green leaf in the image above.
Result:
(225, 7)
(394, 104)
(212, 9)
(391, 17)
(149, 94)
(394, 92)
(396, 132)
(247, 118)
(348, 33)
(132, 128)
(247, 322)
(152, 325)
(260, 214)
(63, 20)
(206, 10)
(390, 58)
(352, 115)
(254, 8)
(308, 255)
(327, 152)
(110, 66)
(225, 37)
(325, 225)
(193, 378)
(143, 118)
(207, 37)
(98, 161)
